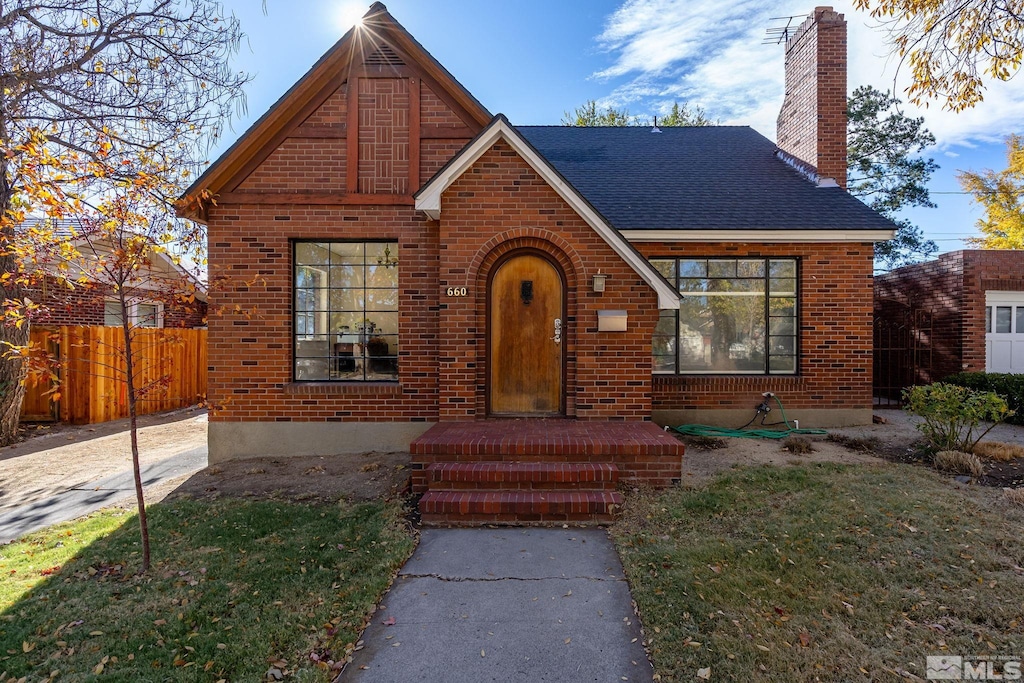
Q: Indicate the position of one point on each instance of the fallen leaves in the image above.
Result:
(704, 674)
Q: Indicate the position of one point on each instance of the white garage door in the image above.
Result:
(1004, 332)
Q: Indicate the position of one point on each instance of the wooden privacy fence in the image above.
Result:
(170, 369)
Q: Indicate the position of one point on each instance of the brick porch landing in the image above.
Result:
(536, 471)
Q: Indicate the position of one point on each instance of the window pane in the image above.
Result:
(783, 285)
(783, 346)
(147, 315)
(311, 253)
(346, 276)
(750, 268)
(112, 314)
(722, 268)
(1003, 319)
(693, 268)
(346, 311)
(666, 267)
(782, 364)
(782, 268)
(782, 326)
(782, 307)
(727, 334)
(722, 326)
(1020, 320)
(663, 364)
(347, 253)
(666, 323)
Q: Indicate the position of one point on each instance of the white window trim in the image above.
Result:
(133, 312)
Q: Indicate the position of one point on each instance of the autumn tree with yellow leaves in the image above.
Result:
(1001, 193)
(107, 82)
(952, 47)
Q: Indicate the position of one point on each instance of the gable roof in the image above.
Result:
(428, 199)
(72, 230)
(322, 79)
(698, 179)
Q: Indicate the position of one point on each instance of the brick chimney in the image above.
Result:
(812, 124)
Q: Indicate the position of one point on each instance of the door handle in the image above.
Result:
(558, 331)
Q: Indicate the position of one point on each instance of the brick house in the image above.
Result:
(167, 295)
(392, 258)
(973, 304)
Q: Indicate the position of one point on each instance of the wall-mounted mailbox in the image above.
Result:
(611, 321)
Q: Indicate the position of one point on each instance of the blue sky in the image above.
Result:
(534, 60)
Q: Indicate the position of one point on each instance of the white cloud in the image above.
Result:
(710, 53)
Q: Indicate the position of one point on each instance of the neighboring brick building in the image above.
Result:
(973, 302)
(167, 295)
(390, 256)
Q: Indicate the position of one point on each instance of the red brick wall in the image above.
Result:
(250, 255)
(935, 288)
(500, 204)
(812, 122)
(84, 305)
(250, 351)
(952, 288)
(985, 270)
(835, 360)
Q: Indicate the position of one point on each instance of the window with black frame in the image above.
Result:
(346, 311)
(736, 316)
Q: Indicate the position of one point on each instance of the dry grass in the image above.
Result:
(858, 444)
(958, 462)
(998, 451)
(822, 573)
(1015, 496)
(704, 443)
(797, 445)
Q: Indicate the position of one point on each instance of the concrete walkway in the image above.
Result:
(505, 605)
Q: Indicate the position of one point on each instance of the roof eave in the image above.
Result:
(760, 235)
(428, 199)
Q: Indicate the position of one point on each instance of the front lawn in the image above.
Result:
(237, 588)
(823, 572)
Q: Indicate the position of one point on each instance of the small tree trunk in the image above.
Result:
(12, 368)
(134, 429)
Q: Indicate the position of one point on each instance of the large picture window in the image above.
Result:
(346, 311)
(736, 316)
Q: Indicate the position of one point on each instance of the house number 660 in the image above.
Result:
(456, 291)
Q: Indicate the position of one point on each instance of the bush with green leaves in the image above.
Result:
(1010, 387)
(953, 414)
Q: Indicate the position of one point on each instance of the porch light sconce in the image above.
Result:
(599, 281)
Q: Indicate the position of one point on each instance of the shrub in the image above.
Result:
(952, 414)
(1010, 387)
(798, 445)
(996, 450)
(958, 462)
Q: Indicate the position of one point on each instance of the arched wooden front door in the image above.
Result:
(527, 299)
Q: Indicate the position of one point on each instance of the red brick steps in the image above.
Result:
(536, 471)
(497, 507)
(596, 476)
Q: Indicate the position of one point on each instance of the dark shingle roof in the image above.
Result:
(695, 178)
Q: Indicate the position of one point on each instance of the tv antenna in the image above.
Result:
(778, 33)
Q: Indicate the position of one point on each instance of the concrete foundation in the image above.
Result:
(808, 418)
(239, 440)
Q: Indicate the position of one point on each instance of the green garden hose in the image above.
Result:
(756, 433)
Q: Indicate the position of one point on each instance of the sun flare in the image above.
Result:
(348, 13)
